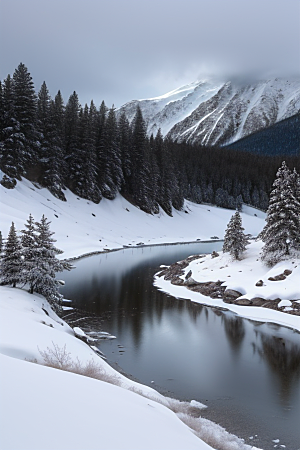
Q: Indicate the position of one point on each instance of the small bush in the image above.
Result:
(60, 358)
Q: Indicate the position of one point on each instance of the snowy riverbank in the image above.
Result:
(56, 409)
(252, 289)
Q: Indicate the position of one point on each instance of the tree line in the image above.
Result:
(97, 153)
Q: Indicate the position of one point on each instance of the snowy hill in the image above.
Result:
(82, 226)
(33, 396)
(214, 111)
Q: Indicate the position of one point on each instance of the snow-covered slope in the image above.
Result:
(53, 409)
(81, 226)
(214, 111)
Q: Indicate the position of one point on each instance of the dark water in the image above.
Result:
(248, 373)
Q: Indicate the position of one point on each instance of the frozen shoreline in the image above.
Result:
(287, 291)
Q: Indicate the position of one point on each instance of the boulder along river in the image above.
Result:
(246, 372)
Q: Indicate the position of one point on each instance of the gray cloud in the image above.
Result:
(118, 50)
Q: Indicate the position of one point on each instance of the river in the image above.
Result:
(246, 372)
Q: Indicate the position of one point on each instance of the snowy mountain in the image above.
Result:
(219, 112)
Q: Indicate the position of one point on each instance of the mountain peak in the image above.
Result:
(211, 111)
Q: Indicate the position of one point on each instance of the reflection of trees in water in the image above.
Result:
(283, 358)
(194, 310)
(235, 331)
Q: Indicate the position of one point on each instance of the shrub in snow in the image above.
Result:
(235, 240)
(281, 233)
(60, 358)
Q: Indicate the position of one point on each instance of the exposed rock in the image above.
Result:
(287, 272)
(214, 254)
(215, 289)
(177, 281)
(258, 301)
(271, 304)
(188, 275)
(190, 282)
(232, 294)
(243, 302)
(277, 277)
(162, 273)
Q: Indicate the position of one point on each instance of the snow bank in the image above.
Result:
(50, 407)
(81, 226)
(242, 276)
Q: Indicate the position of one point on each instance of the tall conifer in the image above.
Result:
(281, 235)
(11, 260)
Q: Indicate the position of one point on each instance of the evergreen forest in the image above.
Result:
(96, 153)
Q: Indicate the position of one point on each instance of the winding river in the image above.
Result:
(246, 372)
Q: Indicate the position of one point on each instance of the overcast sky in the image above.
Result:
(119, 50)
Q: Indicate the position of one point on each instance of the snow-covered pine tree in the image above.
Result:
(124, 140)
(11, 260)
(138, 185)
(30, 253)
(113, 152)
(55, 174)
(12, 141)
(25, 105)
(86, 180)
(281, 235)
(164, 176)
(1, 109)
(47, 265)
(235, 241)
(72, 152)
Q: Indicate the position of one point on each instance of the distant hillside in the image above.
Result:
(282, 138)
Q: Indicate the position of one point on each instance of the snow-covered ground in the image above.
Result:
(81, 226)
(242, 276)
(44, 408)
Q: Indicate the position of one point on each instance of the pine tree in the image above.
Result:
(12, 140)
(111, 175)
(51, 159)
(72, 152)
(124, 140)
(138, 184)
(1, 109)
(100, 147)
(30, 253)
(25, 106)
(47, 265)
(86, 180)
(235, 240)
(11, 260)
(281, 235)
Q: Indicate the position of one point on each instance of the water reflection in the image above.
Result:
(283, 358)
(235, 331)
(208, 353)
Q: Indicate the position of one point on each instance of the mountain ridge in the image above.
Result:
(218, 112)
